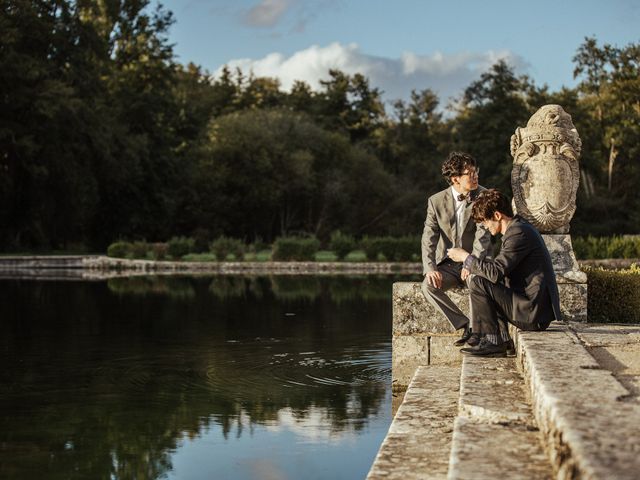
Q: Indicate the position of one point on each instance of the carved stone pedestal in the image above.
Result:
(572, 282)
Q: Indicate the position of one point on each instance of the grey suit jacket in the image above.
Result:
(440, 230)
(524, 265)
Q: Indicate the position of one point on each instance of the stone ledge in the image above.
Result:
(421, 335)
(589, 428)
(495, 434)
(492, 390)
(419, 439)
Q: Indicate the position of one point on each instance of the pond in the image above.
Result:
(229, 377)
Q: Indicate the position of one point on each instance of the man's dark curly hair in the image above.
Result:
(455, 165)
(489, 202)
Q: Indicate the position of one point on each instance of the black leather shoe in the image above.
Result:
(466, 335)
(511, 349)
(474, 339)
(487, 349)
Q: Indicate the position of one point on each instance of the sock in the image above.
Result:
(504, 336)
(492, 338)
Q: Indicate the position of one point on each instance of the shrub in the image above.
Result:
(341, 244)
(139, 249)
(627, 246)
(119, 249)
(201, 239)
(295, 248)
(356, 256)
(259, 245)
(180, 246)
(613, 296)
(325, 256)
(263, 256)
(225, 246)
(159, 250)
(400, 249)
(199, 257)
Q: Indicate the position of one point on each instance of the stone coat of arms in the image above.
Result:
(546, 173)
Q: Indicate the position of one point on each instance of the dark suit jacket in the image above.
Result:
(524, 265)
(440, 230)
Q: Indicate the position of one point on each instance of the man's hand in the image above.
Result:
(434, 279)
(464, 274)
(457, 254)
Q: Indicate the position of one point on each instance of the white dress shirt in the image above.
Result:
(459, 207)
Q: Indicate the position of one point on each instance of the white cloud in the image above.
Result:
(285, 16)
(446, 74)
(267, 13)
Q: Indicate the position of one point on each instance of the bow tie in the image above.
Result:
(466, 197)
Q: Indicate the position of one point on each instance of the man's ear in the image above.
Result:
(498, 216)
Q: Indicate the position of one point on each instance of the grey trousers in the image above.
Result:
(437, 297)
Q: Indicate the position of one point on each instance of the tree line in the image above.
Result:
(104, 135)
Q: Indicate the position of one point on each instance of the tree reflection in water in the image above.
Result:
(106, 380)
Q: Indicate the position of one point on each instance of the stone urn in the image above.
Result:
(546, 173)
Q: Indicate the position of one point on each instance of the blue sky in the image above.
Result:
(400, 45)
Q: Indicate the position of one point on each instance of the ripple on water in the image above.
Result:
(247, 369)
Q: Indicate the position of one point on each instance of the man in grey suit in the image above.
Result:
(518, 286)
(447, 225)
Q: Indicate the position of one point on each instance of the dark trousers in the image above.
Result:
(492, 304)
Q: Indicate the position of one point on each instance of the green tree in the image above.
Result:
(488, 114)
(610, 94)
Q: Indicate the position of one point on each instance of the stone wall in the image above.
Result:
(421, 335)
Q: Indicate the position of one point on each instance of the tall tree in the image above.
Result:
(489, 111)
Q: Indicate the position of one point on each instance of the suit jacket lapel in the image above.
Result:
(450, 211)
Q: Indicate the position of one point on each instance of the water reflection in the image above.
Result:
(124, 378)
(284, 288)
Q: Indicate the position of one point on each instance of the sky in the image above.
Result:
(399, 45)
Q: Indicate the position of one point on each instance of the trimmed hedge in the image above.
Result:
(626, 246)
(119, 249)
(393, 249)
(295, 248)
(225, 246)
(181, 246)
(613, 295)
(341, 244)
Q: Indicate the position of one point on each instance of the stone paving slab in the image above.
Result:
(419, 439)
(492, 390)
(588, 418)
(495, 434)
(492, 451)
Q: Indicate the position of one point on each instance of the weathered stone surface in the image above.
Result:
(421, 335)
(495, 434)
(492, 390)
(408, 352)
(484, 450)
(396, 400)
(413, 314)
(411, 351)
(573, 301)
(563, 259)
(545, 171)
(442, 351)
(419, 439)
(602, 335)
(590, 427)
(616, 348)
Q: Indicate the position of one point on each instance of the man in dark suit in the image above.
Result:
(447, 225)
(518, 286)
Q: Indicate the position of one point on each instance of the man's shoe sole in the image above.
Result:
(485, 354)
